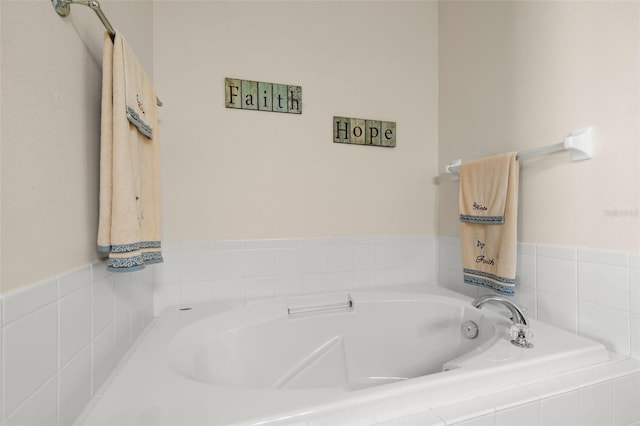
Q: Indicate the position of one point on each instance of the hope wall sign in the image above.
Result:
(360, 131)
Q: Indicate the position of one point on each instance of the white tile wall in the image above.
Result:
(27, 300)
(596, 405)
(606, 325)
(1, 374)
(30, 355)
(74, 280)
(558, 310)
(604, 284)
(562, 409)
(103, 302)
(61, 338)
(462, 412)
(521, 415)
(595, 293)
(606, 397)
(626, 396)
(556, 271)
(634, 283)
(257, 269)
(634, 303)
(75, 386)
(424, 418)
(41, 408)
(75, 322)
(104, 357)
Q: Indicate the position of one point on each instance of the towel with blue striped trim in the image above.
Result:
(488, 222)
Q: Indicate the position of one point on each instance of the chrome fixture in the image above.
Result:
(63, 8)
(345, 306)
(520, 332)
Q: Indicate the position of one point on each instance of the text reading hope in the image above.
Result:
(364, 132)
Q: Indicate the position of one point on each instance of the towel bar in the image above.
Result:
(63, 8)
(578, 143)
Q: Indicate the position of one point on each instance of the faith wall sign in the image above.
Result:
(360, 131)
(261, 96)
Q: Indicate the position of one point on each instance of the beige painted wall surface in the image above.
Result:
(518, 75)
(234, 174)
(50, 78)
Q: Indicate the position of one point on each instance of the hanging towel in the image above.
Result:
(488, 221)
(129, 226)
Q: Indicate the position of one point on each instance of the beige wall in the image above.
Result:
(50, 79)
(233, 174)
(513, 75)
(517, 75)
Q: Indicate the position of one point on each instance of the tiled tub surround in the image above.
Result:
(214, 271)
(604, 395)
(593, 293)
(61, 339)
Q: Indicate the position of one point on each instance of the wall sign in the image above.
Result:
(261, 96)
(360, 131)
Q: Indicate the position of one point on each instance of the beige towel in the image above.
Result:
(489, 221)
(129, 219)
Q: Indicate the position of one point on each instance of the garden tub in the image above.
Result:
(298, 359)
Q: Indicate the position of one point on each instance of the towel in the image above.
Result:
(488, 222)
(129, 227)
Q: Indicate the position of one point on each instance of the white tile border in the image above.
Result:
(64, 373)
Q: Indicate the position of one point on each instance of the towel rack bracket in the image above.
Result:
(579, 144)
(61, 7)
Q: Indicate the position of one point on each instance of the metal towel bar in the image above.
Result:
(321, 307)
(63, 8)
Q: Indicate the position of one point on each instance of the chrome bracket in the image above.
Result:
(62, 7)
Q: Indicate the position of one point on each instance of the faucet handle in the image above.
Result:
(521, 335)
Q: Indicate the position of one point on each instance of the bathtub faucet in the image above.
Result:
(520, 329)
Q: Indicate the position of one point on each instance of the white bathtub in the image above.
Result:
(293, 360)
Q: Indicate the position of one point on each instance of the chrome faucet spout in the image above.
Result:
(520, 327)
(517, 316)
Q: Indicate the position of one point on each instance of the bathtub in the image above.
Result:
(302, 359)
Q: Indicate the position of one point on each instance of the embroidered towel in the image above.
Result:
(488, 221)
(129, 218)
